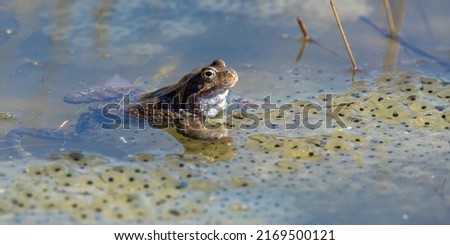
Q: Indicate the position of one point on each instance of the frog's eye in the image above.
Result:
(208, 74)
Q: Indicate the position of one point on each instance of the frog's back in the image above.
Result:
(113, 89)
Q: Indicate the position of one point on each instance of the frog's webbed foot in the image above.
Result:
(200, 128)
(14, 137)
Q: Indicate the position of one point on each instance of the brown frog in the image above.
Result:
(187, 105)
(199, 95)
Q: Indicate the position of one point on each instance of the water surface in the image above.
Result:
(380, 169)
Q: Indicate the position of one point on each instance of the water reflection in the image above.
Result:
(206, 151)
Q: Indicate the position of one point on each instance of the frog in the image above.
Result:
(187, 105)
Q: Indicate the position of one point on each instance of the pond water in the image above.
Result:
(384, 159)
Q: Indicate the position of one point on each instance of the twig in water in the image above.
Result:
(303, 28)
(305, 40)
(344, 37)
(387, 8)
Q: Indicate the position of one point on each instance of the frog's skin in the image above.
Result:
(199, 95)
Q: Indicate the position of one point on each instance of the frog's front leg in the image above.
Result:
(14, 137)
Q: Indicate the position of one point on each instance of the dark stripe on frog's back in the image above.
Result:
(176, 95)
(154, 106)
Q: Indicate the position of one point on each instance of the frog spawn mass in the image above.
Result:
(91, 189)
(394, 125)
(397, 105)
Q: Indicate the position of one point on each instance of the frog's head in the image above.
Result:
(202, 92)
(206, 88)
